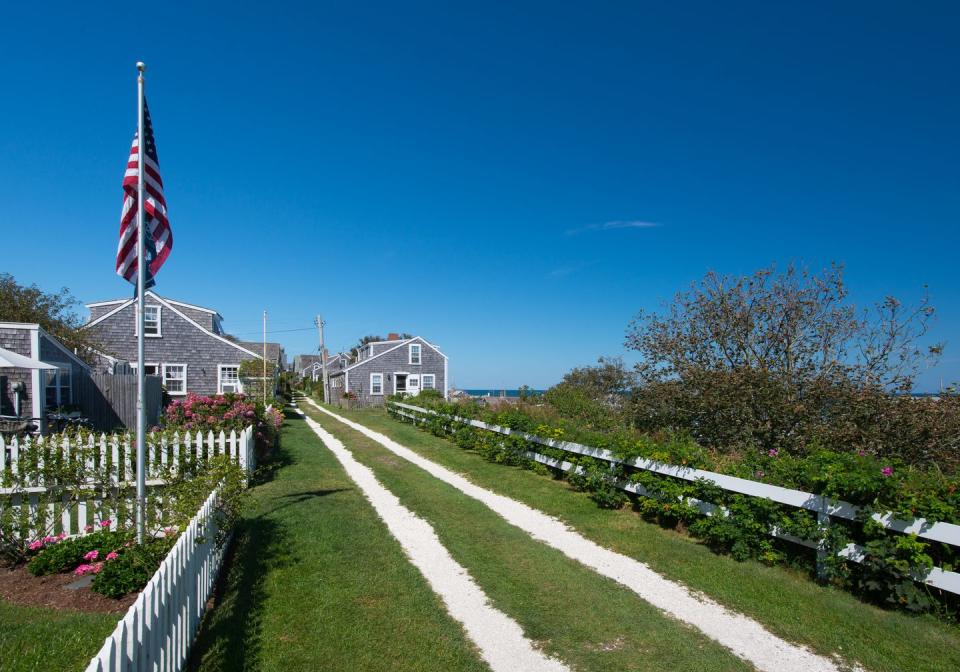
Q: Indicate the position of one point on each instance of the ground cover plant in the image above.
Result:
(783, 598)
(893, 560)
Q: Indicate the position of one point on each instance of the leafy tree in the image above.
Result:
(772, 360)
(55, 312)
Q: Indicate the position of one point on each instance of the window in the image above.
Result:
(148, 368)
(415, 353)
(59, 390)
(151, 321)
(376, 383)
(175, 378)
(229, 379)
(428, 381)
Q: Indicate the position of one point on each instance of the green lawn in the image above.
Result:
(788, 603)
(37, 638)
(316, 582)
(586, 620)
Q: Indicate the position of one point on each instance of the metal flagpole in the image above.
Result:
(264, 358)
(141, 281)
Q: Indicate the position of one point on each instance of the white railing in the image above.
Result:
(158, 629)
(824, 507)
(51, 508)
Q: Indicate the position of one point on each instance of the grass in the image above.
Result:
(588, 621)
(827, 620)
(316, 582)
(37, 638)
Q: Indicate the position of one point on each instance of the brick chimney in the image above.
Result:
(393, 336)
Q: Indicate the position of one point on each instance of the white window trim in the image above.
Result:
(419, 348)
(164, 379)
(136, 322)
(433, 381)
(220, 368)
(380, 393)
(136, 367)
(57, 383)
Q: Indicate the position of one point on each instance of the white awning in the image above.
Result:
(13, 360)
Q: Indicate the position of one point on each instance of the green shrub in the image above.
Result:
(65, 555)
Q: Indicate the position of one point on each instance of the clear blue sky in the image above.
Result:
(452, 171)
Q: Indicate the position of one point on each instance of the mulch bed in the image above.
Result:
(22, 588)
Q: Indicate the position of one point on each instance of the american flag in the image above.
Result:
(158, 240)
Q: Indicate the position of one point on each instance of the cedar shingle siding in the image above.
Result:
(396, 361)
(179, 343)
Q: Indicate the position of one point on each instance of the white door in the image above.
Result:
(413, 385)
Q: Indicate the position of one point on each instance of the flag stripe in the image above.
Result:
(158, 234)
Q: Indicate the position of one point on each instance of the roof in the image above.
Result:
(32, 326)
(398, 345)
(182, 304)
(171, 305)
(273, 349)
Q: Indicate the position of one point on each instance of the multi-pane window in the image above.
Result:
(415, 353)
(229, 379)
(175, 378)
(59, 390)
(428, 381)
(151, 321)
(376, 383)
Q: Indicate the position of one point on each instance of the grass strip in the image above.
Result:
(586, 620)
(316, 582)
(787, 602)
(38, 638)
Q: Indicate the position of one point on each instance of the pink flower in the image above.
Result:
(96, 567)
(62, 536)
(35, 545)
(759, 473)
(773, 452)
(887, 471)
(91, 556)
(83, 569)
(862, 453)
(105, 523)
(50, 540)
(88, 528)
(112, 555)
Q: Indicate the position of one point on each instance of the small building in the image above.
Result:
(185, 344)
(395, 366)
(37, 373)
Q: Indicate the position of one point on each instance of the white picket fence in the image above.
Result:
(824, 507)
(48, 508)
(158, 630)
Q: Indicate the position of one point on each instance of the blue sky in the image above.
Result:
(471, 173)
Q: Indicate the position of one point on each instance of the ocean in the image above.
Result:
(499, 393)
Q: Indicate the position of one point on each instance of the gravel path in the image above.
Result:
(499, 638)
(745, 637)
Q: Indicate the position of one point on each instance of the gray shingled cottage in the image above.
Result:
(183, 343)
(391, 367)
(45, 374)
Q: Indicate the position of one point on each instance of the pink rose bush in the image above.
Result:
(224, 412)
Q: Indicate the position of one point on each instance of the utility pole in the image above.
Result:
(264, 358)
(323, 361)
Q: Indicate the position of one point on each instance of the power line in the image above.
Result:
(276, 331)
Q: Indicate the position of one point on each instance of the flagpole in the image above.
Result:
(141, 281)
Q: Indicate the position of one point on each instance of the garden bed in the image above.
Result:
(18, 586)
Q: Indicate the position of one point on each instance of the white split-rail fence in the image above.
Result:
(51, 508)
(824, 507)
(158, 630)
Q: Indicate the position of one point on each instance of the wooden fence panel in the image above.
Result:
(109, 401)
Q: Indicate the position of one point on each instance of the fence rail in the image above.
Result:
(824, 507)
(54, 507)
(157, 631)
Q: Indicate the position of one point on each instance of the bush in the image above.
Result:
(893, 560)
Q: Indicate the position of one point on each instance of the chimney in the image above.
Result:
(393, 336)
